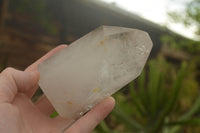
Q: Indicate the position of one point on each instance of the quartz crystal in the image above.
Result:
(93, 68)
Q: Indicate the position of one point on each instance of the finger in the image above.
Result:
(44, 106)
(13, 81)
(34, 66)
(89, 121)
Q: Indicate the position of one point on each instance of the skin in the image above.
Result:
(18, 114)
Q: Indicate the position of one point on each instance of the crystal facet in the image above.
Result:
(93, 67)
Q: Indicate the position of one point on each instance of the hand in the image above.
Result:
(19, 115)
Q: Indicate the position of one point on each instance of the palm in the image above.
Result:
(24, 117)
(30, 119)
(19, 115)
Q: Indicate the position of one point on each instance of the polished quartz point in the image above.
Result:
(93, 68)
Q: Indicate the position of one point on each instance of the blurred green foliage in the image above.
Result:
(54, 114)
(190, 16)
(175, 42)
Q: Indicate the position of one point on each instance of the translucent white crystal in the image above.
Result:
(93, 67)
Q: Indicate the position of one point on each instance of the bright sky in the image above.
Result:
(156, 11)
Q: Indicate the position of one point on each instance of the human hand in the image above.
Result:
(19, 115)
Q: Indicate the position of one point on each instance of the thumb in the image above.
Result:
(13, 81)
